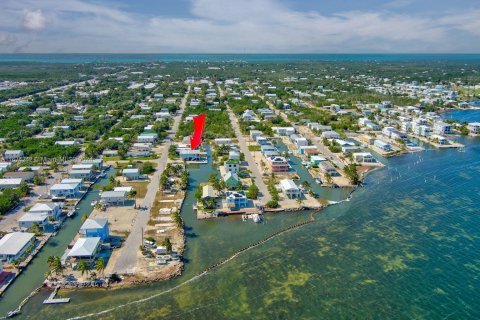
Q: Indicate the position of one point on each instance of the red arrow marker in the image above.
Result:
(198, 127)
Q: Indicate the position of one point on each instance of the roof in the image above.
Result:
(229, 175)
(123, 189)
(64, 186)
(33, 217)
(71, 181)
(97, 223)
(11, 181)
(288, 184)
(131, 170)
(207, 191)
(13, 242)
(84, 247)
(47, 206)
(13, 152)
(112, 194)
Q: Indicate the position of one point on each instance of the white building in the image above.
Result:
(64, 190)
(442, 128)
(13, 155)
(10, 183)
(13, 245)
(290, 189)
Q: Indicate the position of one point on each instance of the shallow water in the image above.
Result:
(406, 246)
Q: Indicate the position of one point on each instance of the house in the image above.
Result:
(277, 164)
(231, 180)
(223, 141)
(97, 163)
(13, 245)
(364, 157)
(261, 140)
(248, 115)
(59, 190)
(85, 249)
(234, 155)
(232, 166)
(284, 131)
(290, 189)
(112, 198)
(236, 200)
(315, 160)
(126, 190)
(140, 150)
(147, 137)
(66, 143)
(131, 174)
(29, 219)
(51, 209)
(439, 139)
(474, 127)
(10, 183)
(74, 181)
(330, 135)
(208, 192)
(86, 174)
(110, 153)
(299, 140)
(83, 166)
(308, 150)
(327, 168)
(254, 134)
(347, 148)
(95, 228)
(442, 128)
(192, 155)
(382, 145)
(25, 176)
(13, 155)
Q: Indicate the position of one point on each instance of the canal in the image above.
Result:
(34, 275)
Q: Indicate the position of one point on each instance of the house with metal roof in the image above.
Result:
(85, 249)
(290, 189)
(113, 197)
(97, 227)
(13, 245)
(60, 190)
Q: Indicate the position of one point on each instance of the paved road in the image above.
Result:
(127, 261)
(264, 194)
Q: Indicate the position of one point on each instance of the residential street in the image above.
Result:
(127, 261)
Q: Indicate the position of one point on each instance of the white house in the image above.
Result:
(112, 197)
(442, 128)
(85, 249)
(232, 166)
(29, 219)
(10, 183)
(290, 189)
(64, 190)
(13, 155)
(330, 135)
(74, 181)
(474, 127)
(13, 245)
(131, 174)
(52, 209)
(364, 157)
(86, 174)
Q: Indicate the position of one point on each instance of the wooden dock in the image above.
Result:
(51, 298)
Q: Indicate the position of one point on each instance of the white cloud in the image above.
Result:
(34, 20)
(7, 39)
(234, 26)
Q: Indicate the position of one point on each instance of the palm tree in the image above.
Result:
(305, 184)
(299, 201)
(100, 265)
(83, 267)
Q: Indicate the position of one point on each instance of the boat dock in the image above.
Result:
(51, 298)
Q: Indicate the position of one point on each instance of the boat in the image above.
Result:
(256, 218)
(93, 203)
(12, 314)
(318, 181)
(244, 217)
(194, 206)
(71, 213)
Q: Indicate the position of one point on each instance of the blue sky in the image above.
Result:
(228, 26)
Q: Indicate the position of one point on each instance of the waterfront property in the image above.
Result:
(60, 190)
(109, 198)
(13, 245)
(85, 249)
(97, 227)
(277, 164)
(290, 189)
(131, 174)
(236, 200)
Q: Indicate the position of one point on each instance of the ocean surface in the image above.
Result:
(405, 247)
(139, 58)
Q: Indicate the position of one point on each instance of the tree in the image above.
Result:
(252, 192)
(83, 267)
(164, 182)
(328, 178)
(100, 265)
(84, 217)
(305, 184)
(167, 244)
(147, 168)
(352, 174)
(272, 204)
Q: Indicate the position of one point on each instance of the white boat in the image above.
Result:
(244, 217)
(194, 206)
(318, 181)
(256, 218)
(71, 213)
(93, 203)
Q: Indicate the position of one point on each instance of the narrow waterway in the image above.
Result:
(34, 275)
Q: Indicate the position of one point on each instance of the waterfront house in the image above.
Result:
(442, 128)
(97, 163)
(438, 139)
(232, 166)
(474, 127)
(85, 174)
(382, 145)
(30, 219)
(364, 157)
(59, 190)
(75, 181)
(192, 155)
(13, 155)
(327, 168)
(97, 227)
(131, 174)
(231, 180)
(290, 189)
(85, 249)
(261, 140)
(277, 164)
(236, 200)
(83, 166)
(208, 192)
(299, 140)
(10, 183)
(13, 245)
(51, 209)
(112, 198)
(311, 150)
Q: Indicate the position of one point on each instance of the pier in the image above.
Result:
(51, 298)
